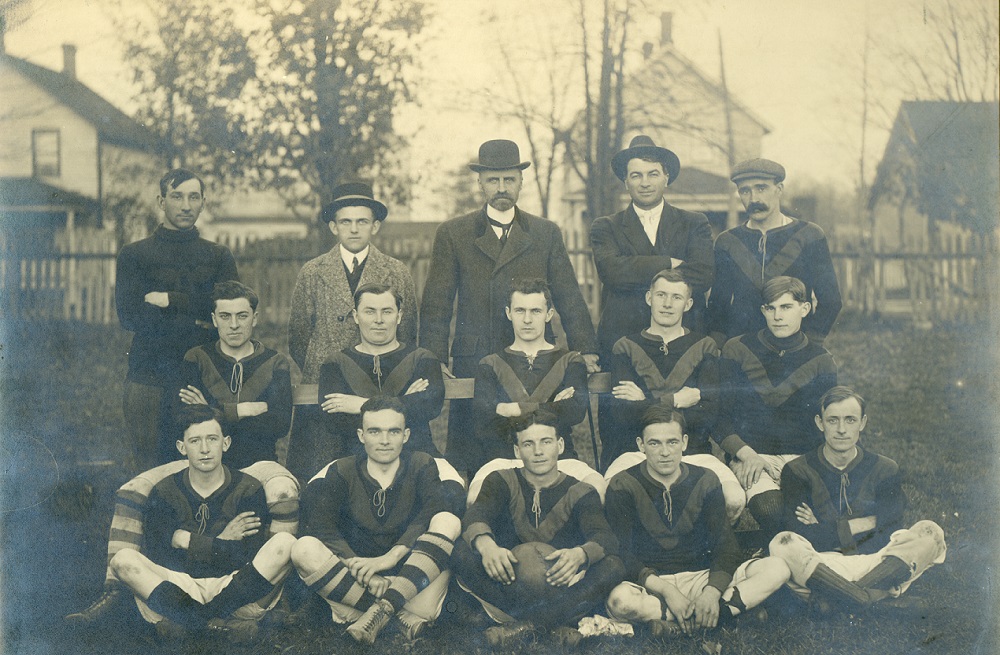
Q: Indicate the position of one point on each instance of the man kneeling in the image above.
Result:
(207, 562)
(380, 529)
(683, 566)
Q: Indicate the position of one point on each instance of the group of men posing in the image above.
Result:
(730, 404)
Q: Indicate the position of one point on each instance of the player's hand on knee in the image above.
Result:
(377, 585)
(245, 524)
(805, 515)
(706, 608)
(749, 468)
(566, 562)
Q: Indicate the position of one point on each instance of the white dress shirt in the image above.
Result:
(650, 219)
(506, 218)
(349, 256)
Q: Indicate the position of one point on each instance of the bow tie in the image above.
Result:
(504, 229)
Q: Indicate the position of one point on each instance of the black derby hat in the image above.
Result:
(353, 194)
(499, 155)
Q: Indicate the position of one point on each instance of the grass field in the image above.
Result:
(932, 402)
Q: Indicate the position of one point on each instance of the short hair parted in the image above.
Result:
(380, 402)
(377, 288)
(670, 275)
(189, 415)
(660, 414)
(529, 285)
(177, 177)
(233, 289)
(778, 286)
(838, 394)
(519, 424)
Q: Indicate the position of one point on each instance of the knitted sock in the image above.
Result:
(247, 586)
(732, 607)
(891, 572)
(173, 602)
(428, 558)
(337, 584)
(825, 580)
(767, 509)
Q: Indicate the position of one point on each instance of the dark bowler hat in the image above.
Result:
(643, 147)
(758, 168)
(353, 194)
(499, 155)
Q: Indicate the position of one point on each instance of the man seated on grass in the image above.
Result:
(248, 382)
(530, 374)
(846, 502)
(536, 507)
(207, 562)
(380, 528)
(772, 381)
(378, 366)
(668, 365)
(684, 569)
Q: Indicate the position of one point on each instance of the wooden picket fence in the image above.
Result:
(956, 281)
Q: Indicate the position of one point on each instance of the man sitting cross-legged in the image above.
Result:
(846, 501)
(378, 366)
(207, 560)
(530, 374)
(772, 381)
(380, 528)
(670, 366)
(536, 506)
(683, 566)
(241, 377)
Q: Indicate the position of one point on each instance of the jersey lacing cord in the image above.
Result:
(202, 516)
(236, 379)
(668, 506)
(845, 482)
(536, 506)
(531, 361)
(378, 502)
(377, 370)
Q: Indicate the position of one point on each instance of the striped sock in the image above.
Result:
(337, 584)
(429, 557)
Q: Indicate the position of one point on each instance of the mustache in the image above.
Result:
(756, 206)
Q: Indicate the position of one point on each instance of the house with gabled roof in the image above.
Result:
(64, 151)
(682, 108)
(940, 174)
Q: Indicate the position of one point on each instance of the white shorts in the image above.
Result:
(692, 583)
(765, 482)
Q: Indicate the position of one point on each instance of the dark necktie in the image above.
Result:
(354, 265)
(504, 229)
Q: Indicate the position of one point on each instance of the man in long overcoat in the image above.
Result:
(475, 258)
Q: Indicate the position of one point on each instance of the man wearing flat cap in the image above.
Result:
(320, 323)
(769, 244)
(476, 257)
(632, 246)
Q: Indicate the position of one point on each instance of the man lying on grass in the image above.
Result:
(379, 529)
(207, 561)
(846, 501)
(684, 570)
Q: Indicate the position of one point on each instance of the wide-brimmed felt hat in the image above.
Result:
(643, 147)
(499, 155)
(353, 194)
(758, 168)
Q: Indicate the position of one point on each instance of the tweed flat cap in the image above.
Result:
(758, 168)
(353, 194)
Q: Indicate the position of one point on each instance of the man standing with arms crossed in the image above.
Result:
(163, 295)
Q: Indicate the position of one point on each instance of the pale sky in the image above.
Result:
(795, 63)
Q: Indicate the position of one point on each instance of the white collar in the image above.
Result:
(499, 216)
(349, 256)
(649, 214)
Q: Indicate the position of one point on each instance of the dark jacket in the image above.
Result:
(626, 262)
(467, 261)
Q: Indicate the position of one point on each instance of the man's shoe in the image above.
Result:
(410, 625)
(167, 630)
(237, 631)
(505, 633)
(567, 636)
(106, 604)
(664, 629)
(365, 629)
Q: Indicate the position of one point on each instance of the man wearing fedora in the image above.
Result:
(321, 323)
(769, 244)
(635, 244)
(476, 257)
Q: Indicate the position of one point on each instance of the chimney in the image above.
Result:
(69, 60)
(666, 28)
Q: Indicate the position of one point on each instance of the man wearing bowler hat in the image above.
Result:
(476, 257)
(635, 244)
(769, 244)
(320, 323)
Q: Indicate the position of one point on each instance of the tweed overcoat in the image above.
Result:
(626, 261)
(468, 262)
(320, 323)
